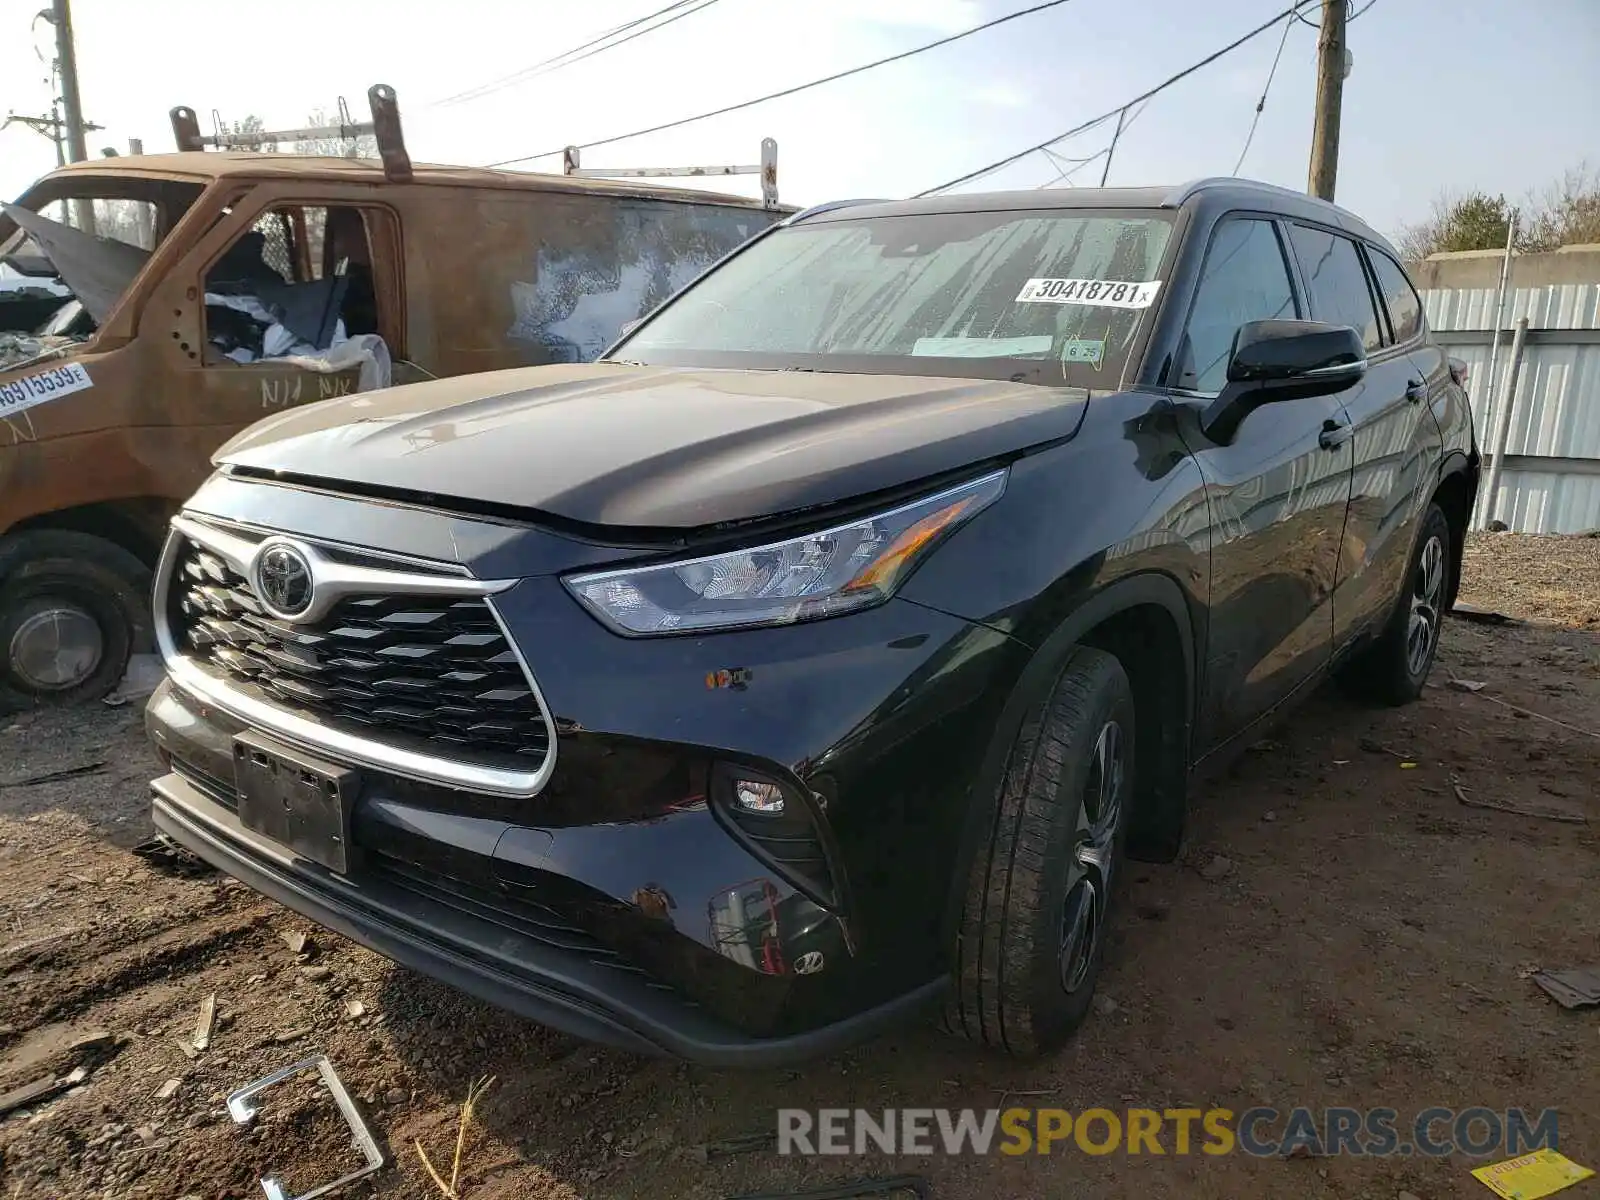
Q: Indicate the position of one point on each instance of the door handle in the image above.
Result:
(1335, 433)
(1416, 391)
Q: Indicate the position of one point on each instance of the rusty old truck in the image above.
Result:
(176, 298)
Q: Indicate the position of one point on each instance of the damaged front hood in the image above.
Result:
(648, 447)
(98, 270)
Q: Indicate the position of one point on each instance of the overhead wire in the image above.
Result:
(598, 44)
(989, 169)
(802, 87)
(1261, 104)
(1305, 20)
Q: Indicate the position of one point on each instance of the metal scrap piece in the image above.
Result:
(243, 1112)
(891, 1185)
(1578, 987)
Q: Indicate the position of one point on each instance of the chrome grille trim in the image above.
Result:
(203, 685)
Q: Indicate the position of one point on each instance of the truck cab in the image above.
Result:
(202, 291)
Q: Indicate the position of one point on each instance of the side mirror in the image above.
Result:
(1283, 360)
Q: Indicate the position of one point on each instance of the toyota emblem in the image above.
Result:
(281, 579)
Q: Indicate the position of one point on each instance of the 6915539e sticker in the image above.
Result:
(1100, 293)
(40, 386)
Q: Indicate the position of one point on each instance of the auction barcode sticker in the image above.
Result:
(1101, 293)
(41, 386)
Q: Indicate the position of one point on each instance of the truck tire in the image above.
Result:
(1393, 669)
(73, 609)
(1032, 928)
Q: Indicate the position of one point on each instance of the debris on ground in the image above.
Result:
(1531, 1177)
(40, 1090)
(1577, 987)
(93, 768)
(1218, 868)
(1539, 812)
(203, 1023)
(243, 1109)
(166, 855)
(1481, 616)
(743, 1143)
(474, 1092)
(1466, 685)
(300, 943)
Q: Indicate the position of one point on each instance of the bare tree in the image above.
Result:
(1566, 213)
(248, 131)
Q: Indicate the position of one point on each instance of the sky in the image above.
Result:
(1440, 97)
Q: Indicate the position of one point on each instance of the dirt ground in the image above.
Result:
(1365, 942)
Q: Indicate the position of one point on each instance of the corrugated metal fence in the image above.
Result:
(1551, 481)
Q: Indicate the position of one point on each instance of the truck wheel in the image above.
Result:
(1393, 669)
(73, 608)
(1033, 923)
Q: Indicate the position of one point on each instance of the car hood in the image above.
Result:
(646, 447)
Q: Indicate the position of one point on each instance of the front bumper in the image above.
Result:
(625, 899)
(562, 988)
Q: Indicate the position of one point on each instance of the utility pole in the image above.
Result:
(71, 105)
(1330, 97)
(67, 60)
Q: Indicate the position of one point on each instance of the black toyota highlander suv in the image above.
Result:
(818, 653)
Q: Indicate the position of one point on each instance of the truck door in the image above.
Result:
(275, 288)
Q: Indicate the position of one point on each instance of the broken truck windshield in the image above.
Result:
(69, 255)
(1051, 296)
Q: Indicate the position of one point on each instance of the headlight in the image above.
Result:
(838, 570)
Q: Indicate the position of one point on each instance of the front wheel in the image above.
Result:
(1394, 669)
(73, 609)
(1038, 897)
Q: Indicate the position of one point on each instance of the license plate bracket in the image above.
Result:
(297, 799)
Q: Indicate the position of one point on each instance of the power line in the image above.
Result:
(1105, 116)
(1066, 174)
(675, 11)
(1305, 20)
(1262, 103)
(834, 78)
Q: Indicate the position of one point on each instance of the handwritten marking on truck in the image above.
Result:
(280, 393)
(41, 386)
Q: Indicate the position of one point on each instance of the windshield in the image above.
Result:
(70, 248)
(1052, 297)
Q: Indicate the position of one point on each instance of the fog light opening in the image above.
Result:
(758, 796)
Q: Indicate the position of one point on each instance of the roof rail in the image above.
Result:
(767, 168)
(384, 128)
(828, 206)
(1184, 191)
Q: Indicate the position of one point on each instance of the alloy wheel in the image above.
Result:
(1093, 858)
(1422, 630)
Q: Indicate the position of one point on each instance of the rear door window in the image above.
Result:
(1245, 278)
(1336, 282)
(1405, 308)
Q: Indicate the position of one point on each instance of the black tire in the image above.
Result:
(1050, 858)
(1394, 668)
(93, 590)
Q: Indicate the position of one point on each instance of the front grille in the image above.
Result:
(434, 667)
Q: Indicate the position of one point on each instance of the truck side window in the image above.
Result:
(1245, 278)
(299, 280)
